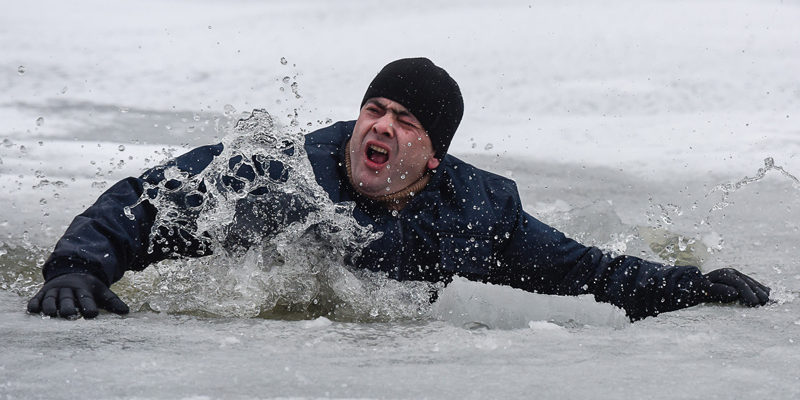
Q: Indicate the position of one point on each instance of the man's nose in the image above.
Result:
(386, 125)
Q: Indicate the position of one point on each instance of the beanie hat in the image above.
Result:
(427, 91)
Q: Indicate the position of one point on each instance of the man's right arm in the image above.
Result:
(109, 238)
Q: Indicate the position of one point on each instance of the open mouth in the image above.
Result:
(377, 154)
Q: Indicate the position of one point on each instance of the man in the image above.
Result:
(438, 216)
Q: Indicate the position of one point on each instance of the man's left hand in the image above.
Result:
(727, 285)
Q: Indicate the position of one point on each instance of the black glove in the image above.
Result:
(727, 284)
(58, 297)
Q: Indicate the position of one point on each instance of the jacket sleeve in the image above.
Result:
(106, 240)
(541, 259)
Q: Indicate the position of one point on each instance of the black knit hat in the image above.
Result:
(427, 91)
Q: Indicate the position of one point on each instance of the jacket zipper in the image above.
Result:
(398, 256)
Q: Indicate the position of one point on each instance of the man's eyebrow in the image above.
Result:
(403, 113)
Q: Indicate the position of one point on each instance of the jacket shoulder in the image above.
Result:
(329, 137)
(467, 177)
(472, 196)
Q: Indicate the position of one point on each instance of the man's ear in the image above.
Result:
(433, 163)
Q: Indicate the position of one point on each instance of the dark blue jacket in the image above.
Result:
(466, 221)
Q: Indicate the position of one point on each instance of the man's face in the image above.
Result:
(389, 149)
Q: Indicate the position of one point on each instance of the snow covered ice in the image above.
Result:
(628, 125)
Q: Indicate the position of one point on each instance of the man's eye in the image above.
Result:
(373, 110)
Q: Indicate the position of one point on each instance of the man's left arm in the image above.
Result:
(539, 258)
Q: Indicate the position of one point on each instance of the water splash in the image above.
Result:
(279, 246)
(697, 247)
(729, 188)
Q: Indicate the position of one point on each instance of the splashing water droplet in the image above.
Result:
(283, 60)
(228, 110)
(294, 90)
(286, 80)
(121, 148)
(488, 146)
(21, 70)
(40, 121)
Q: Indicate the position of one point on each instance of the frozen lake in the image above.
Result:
(640, 127)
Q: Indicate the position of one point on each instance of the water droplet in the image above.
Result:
(488, 146)
(294, 90)
(229, 110)
(283, 60)
(21, 70)
(64, 90)
(40, 121)
(403, 176)
(42, 201)
(128, 213)
(286, 80)
(388, 180)
(121, 148)
(209, 27)
(409, 144)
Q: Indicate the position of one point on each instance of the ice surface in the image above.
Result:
(476, 305)
(617, 120)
